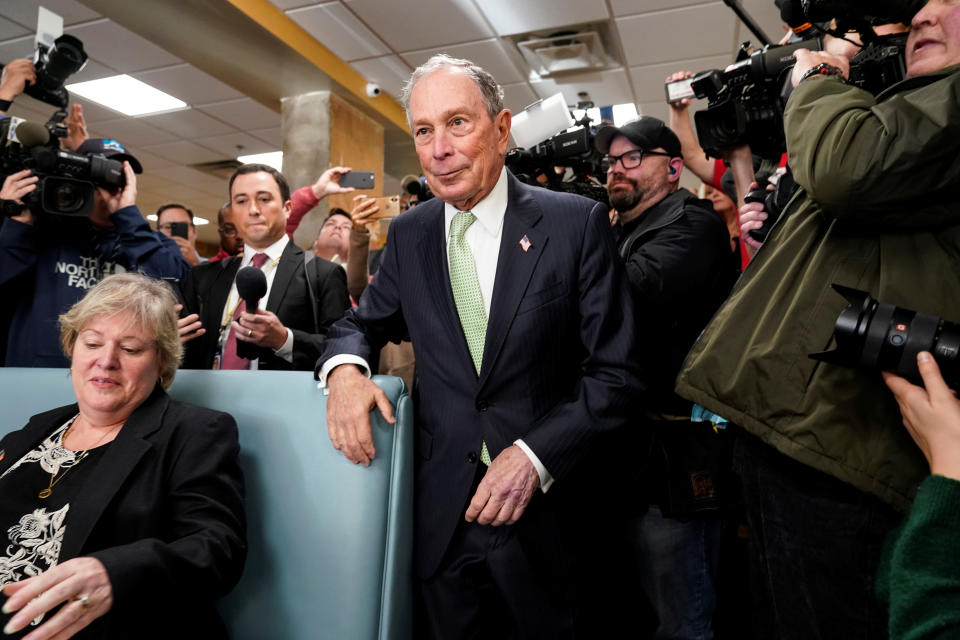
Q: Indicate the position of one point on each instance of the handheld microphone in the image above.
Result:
(251, 286)
(32, 134)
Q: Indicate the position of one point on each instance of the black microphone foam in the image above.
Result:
(251, 285)
(32, 134)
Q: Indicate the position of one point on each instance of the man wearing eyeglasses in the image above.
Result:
(678, 261)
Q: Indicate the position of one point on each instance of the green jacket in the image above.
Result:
(880, 212)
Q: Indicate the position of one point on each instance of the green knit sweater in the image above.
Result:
(919, 575)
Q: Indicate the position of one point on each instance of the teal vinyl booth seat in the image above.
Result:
(330, 542)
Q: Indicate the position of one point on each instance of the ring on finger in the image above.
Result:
(249, 332)
(83, 600)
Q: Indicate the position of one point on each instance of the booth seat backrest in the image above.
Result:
(330, 542)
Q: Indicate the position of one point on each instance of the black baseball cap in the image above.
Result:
(110, 149)
(646, 132)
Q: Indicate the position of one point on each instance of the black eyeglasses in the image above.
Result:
(630, 159)
(227, 231)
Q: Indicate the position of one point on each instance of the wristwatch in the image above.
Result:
(823, 69)
(10, 208)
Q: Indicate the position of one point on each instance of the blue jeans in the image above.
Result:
(816, 542)
(678, 571)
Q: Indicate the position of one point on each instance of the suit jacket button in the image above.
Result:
(483, 405)
(472, 457)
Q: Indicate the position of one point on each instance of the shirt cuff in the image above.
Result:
(336, 361)
(286, 351)
(546, 480)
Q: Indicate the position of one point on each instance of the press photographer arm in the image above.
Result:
(859, 158)
(17, 74)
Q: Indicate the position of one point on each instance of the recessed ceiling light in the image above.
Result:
(127, 95)
(272, 159)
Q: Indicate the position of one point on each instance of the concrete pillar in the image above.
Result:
(321, 130)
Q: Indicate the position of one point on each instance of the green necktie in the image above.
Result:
(467, 295)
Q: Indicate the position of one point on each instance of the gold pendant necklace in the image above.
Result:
(54, 479)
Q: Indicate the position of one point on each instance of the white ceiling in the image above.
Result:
(383, 41)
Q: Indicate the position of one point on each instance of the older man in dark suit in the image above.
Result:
(305, 295)
(514, 300)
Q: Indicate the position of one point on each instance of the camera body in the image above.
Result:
(66, 180)
(54, 65)
(746, 100)
(573, 149)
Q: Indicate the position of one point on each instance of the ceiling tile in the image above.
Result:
(183, 175)
(25, 11)
(648, 81)
(17, 48)
(119, 47)
(390, 72)
(272, 136)
(632, 7)
(9, 30)
(227, 144)
(652, 38)
(428, 23)
(132, 131)
(517, 97)
(339, 30)
(93, 70)
(185, 152)
(188, 123)
(188, 83)
(489, 54)
(245, 113)
(150, 162)
(605, 87)
(510, 17)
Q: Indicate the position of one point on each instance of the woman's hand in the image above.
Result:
(931, 414)
(189, 327)
(82, 583)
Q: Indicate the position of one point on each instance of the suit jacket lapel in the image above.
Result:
(290, 260)
(220, 291)
(111, 472)
(436, 270)
(515, 266)
(17, 443)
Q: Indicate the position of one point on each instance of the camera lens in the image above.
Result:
(65, 58)
(881, 336)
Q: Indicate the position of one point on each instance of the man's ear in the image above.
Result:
(502, 124)
(676, 168)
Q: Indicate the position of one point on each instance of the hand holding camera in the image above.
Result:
(16, 76)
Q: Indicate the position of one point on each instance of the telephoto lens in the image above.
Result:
(882, 336)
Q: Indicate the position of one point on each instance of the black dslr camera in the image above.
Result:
(877, 335)
(746, 100)
(54, 65)
(67, 180)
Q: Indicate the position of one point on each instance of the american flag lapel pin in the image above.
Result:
(525, 243)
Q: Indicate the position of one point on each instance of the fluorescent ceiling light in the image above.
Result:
(197, 220)
(272, 159)
(127, 95)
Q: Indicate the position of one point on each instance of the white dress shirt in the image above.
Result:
(269, 269)
(483, 237)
